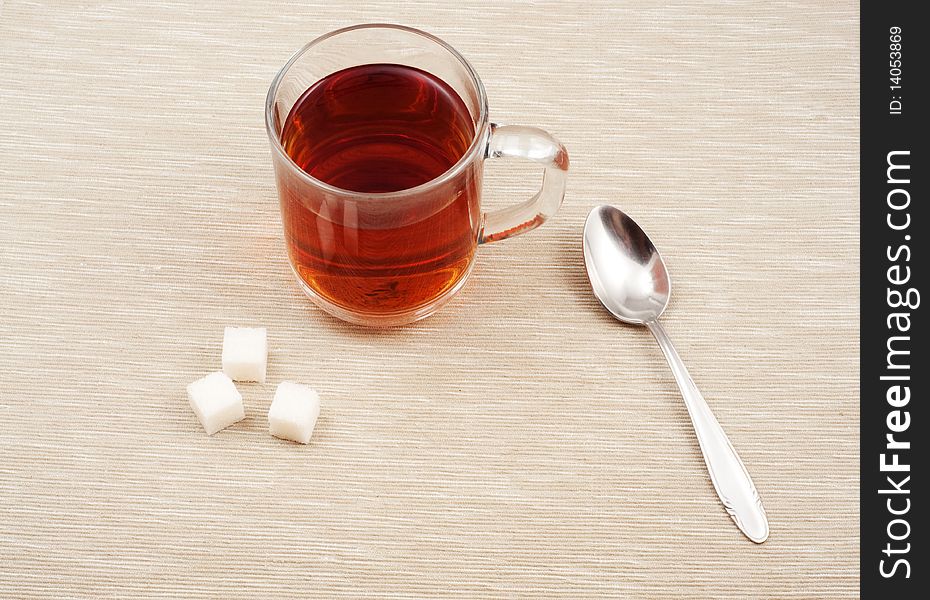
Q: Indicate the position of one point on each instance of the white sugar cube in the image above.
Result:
(216, 401)
(245, 353)
(293, 412)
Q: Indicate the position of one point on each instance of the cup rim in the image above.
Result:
(453, 171)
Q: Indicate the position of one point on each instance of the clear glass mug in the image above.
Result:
(392, 258)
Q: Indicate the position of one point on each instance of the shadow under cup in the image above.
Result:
(392, 257)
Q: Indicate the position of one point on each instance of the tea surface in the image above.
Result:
(378, 128)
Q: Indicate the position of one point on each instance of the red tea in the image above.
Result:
(373, 129)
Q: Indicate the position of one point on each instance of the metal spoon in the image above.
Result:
(630, 279)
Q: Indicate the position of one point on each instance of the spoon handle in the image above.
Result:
(727, 472)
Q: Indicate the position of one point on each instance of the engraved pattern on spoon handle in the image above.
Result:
(727, 472)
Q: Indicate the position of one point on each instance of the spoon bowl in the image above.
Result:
(626, 270)
(629, 278)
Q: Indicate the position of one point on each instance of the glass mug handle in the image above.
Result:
(536, 145)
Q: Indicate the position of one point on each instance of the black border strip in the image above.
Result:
(893, 270)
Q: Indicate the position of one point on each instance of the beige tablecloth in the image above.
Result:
(520, 443)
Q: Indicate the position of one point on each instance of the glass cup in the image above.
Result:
(391, 258)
